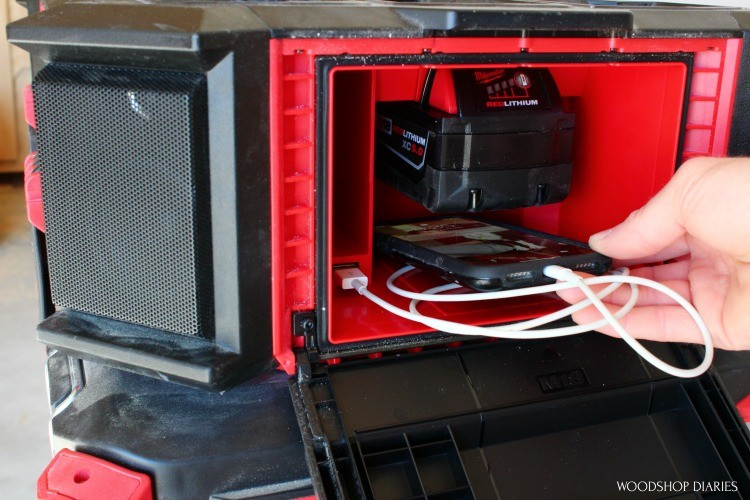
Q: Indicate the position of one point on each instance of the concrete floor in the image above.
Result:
(24, 441)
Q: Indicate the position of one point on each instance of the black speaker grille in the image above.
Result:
(124, 166)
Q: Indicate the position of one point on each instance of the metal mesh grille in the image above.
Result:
(123, 157)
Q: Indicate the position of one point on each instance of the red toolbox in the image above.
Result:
(205, 167)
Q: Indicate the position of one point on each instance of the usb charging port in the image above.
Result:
(520, 276)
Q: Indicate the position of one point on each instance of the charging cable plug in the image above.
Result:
(560, 273)
(350, 278)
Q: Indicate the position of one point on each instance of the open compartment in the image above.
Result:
(629, 121)
(518, 453)
(461, 423)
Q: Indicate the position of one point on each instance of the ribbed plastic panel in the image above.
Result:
(124, 164)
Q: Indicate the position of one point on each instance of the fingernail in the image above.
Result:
(600, 236)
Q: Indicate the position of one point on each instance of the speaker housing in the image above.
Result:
(127, 235)
(156, 205)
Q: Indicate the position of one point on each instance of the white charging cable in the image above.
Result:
(352, 278)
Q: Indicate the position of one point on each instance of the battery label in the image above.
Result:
(507, 88)
(407, 141)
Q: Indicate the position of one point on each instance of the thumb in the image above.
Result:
(646, 232)
(700, 200)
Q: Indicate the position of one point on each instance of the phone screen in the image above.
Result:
(476, 242)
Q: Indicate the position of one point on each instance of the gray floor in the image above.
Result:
(24, 442)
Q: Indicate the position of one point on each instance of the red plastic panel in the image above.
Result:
(626, 142)
(744, 408)
(73, 475)
(33, 187)
(395, 84)
(711, 100)
(293, 190)
(351, 187)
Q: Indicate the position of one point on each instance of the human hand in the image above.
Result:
(700, 222)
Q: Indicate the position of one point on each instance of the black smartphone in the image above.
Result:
(485, 256)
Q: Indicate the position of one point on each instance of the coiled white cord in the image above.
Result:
(567, 279)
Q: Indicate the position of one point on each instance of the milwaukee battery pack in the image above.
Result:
(499, 139)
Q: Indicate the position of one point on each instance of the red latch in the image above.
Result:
(744, 408)
(33, 186)
(28, 102)
(73, 475)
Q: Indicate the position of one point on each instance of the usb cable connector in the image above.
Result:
(350, 278)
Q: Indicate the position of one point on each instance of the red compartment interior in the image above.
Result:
(628, 122)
